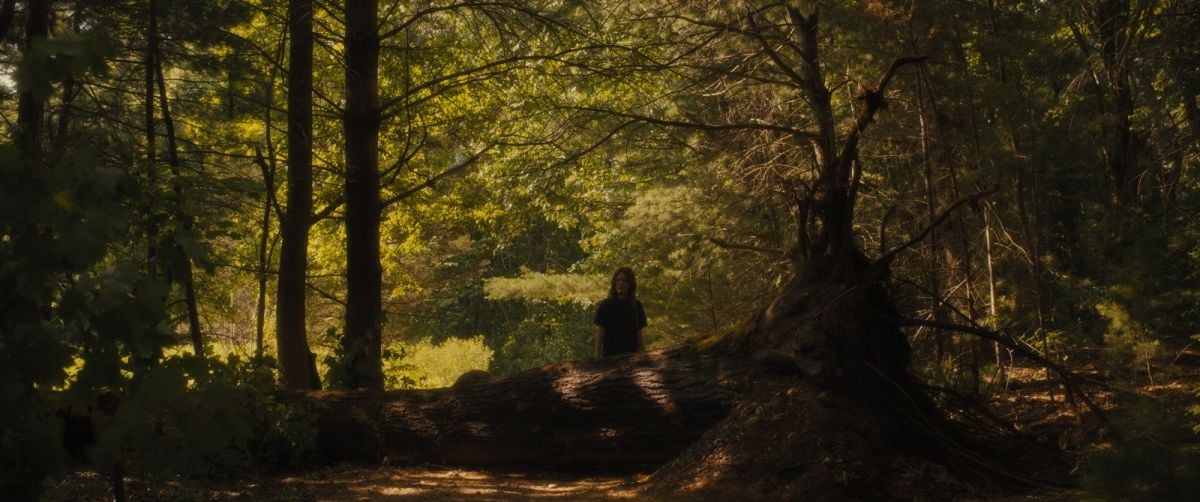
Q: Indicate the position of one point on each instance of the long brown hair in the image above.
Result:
(612, 284)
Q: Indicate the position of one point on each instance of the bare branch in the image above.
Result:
(1069, 378)
(452, 170)
(723, 244)
(744, 126)
(890, 255)
(873, 99)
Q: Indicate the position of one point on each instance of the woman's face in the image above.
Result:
(621, 284)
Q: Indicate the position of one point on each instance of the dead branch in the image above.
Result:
(1070, 379)
(723, 244)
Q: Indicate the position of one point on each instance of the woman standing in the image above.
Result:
(620, 317)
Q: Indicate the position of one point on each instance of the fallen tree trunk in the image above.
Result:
(638, 408)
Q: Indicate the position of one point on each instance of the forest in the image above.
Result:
(354, 250)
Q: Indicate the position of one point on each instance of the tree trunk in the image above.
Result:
(31, 106)
(934, 268)
(361, 364)
(291, 336)
(6, 17)
(148, 124)
(264, 259)
(832, 321)
(268, 167)
(183, 221)
(1116, 33)
(638, 408)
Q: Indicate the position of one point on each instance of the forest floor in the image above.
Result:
(1049, 420)
(349, 482)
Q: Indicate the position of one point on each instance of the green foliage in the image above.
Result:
(342, 370)
(548, 332)
(495, 267)
(426, 365)
(233, 419)
(1157, 457)
(583, 289)
(56, 59)
(60, 294)
(1130, 345)
(208, 417)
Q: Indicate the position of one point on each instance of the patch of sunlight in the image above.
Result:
(425, 365)
(396, 491)
(478, 491)
(654, 388)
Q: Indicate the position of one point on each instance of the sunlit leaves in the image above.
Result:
(583, 289)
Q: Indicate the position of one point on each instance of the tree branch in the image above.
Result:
(890, 255)
(723, 244)
(754, 126)
(873, 99)
(452, 170)
(1069, 378)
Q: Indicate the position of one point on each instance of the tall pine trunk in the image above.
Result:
(291, 336)
(361, 344)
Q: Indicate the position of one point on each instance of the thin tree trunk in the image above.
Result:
(149, 124)
(30, 106)
(295, 365)
(1029, 228)
(987, 243)
(1113, 20)
(260, 308)
(268, 167)
(184, 220)
(959, 256)
(361, 344)
(70, 89)
(934, 265)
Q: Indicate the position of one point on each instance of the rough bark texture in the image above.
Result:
(639, 408)
(361, 345)
(295, 368)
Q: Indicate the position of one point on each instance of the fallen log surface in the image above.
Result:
(638, 408)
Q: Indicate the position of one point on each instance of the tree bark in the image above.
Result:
(291, 336)
(639, 408)
(268, 167)
(183, 220)
(1117, 33)
(361, 364)
(31, 106)
(830, 320)
(264, 257)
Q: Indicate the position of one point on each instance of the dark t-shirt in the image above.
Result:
(621, 321)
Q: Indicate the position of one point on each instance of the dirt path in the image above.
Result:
(357, 483)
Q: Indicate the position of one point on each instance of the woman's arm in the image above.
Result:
(641, 342)
(599, 341)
